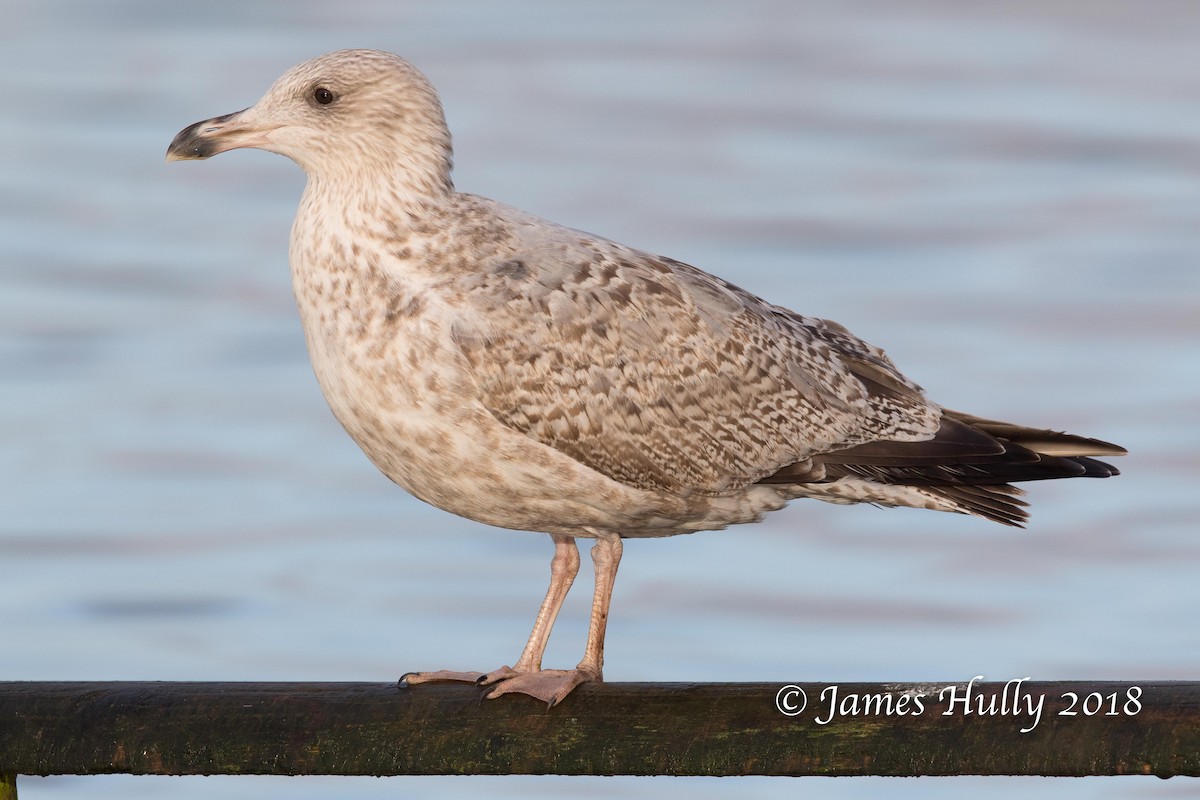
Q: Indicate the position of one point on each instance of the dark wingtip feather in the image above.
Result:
(954, 443)
(1040, 440)
(971, 462)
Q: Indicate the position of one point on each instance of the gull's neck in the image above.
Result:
(378, 202)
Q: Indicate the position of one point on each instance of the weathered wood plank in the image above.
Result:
(8, 786)
(51, 728)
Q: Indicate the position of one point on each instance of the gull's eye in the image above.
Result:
(322, 95)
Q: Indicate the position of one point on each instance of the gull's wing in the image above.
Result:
(663, 377)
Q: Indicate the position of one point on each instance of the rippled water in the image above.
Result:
(1005, 198)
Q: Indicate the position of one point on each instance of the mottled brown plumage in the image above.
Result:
(536, 377)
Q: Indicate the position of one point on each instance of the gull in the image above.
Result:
(534, 377)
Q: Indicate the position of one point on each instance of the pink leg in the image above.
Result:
(606, 556)
(563, 569)
(552, 685)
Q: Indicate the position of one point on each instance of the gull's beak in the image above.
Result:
(216, 135)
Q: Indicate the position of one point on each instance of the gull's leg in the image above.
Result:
(552, 685)
(606, 556)
(564, 566)
(563, 569)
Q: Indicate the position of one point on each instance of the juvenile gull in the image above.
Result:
(536, 377)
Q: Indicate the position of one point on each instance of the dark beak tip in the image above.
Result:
(194, 153)
(195, 142)
(187, 144)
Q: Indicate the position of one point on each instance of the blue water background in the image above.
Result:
(1003, 195)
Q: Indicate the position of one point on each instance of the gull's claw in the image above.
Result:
(497, 675)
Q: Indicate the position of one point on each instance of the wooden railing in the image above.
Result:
(939, 728)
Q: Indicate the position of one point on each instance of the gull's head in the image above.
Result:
(351, 113)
